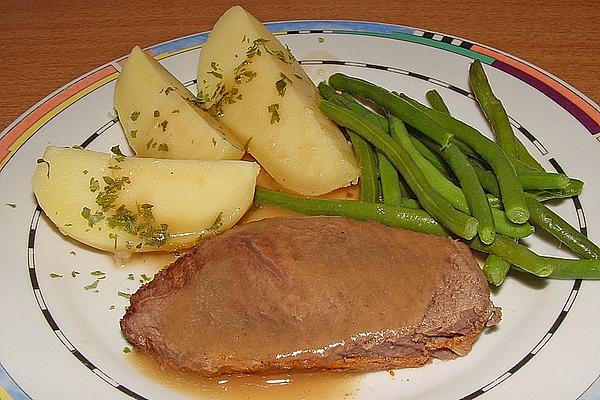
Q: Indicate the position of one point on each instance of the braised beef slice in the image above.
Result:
(312, 293)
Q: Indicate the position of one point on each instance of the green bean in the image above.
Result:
(574, 269)
(394, 104)
(436, 101)
(527, 260)
(552, 223)
(395, 216)
(494, 201)
(487, 179)
(346, 100)
(457, 197)
(369, 184)
(410, 203)
(516, 254)
(492, 109)
(406, 191)
(473, 192)
(574, 188)
(394, 185)
(431, 156)
(454, 195)
(538, 180)
(520, 166)
(495, 269)
(459, 223)
(545, 195)
(469, 182)
(532, 180)
(466, 149)
(524, 156)
(511, 189)
(388, 176)
(506, 227)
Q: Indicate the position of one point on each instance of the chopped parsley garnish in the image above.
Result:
(107, 196)
(116, 150)
(224, 95)
(163, 147)
(74, 273)
(217, 223)
(247, 145)
(130, 277)
(92, 285)
(216, 71)
(94, 184)
(124, 295)
(145, 278)
(214, 141)
(85, 172)
(115, 237)
(72, 252)
(98, 273)
(148, 230)
(156, 113)
(175, 111)
(140, 224)
(55, 275)
(281, 84)
(135, 115)
(241, 72)
(133, 134)
(126, 349)
(163, 125)
(122, 218)
(150, 142)
(321, 40)
(274, 110)
(200, 99)
(11, 205)
(92, 219)
(168, 90)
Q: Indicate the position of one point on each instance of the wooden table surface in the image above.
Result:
(45, 44)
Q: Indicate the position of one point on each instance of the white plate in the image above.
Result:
(61, 341)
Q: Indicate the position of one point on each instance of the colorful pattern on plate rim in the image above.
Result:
(582, 109)
(16, 134)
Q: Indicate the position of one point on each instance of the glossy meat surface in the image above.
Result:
(312, 293)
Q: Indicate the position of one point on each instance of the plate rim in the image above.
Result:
(271, 25)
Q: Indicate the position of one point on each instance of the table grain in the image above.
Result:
(46, 44)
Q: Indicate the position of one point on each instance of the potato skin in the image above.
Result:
(189, 198)
(270, 103)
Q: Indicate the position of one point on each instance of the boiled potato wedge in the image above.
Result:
(158, 118)
(127, 204)
(253, 84)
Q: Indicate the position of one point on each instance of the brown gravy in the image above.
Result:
(295, 386)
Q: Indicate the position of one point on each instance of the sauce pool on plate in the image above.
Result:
(294, 386)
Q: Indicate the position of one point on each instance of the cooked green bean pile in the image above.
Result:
(423, 169)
